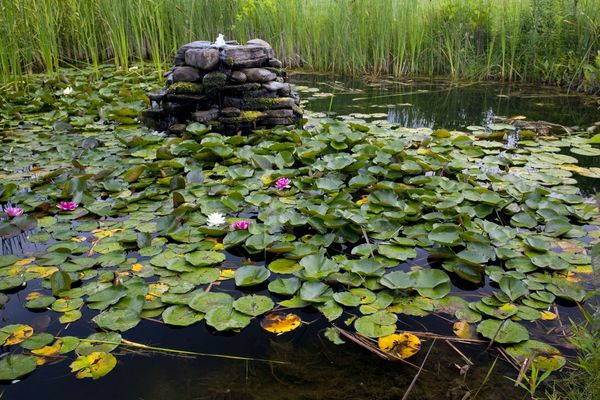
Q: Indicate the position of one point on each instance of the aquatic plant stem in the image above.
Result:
(182, 352)
(418, 372)
(485, 379)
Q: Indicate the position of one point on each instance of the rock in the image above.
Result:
(189, 98)
(185, 88)
(157, 96)
(230, 112)
(204, 116)
(279, 121)
(275, 63)
(275, 86)
(206, 59)
(245, 56)
(232, 43)
(259, 75)
(229, 101)
(269, 103)
(214, 81)
(261, 93)
(177, 128)
(277, 71)
(238, 76)
(245, 116)
(186, 74)
(258, 42)
(180, 55)
(283, 113)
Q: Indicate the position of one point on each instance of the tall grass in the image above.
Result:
(532, 40)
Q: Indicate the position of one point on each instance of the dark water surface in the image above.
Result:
(316, 368)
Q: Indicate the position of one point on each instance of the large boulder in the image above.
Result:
(259, 75)
(205, 59)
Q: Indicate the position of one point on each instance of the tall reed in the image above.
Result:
(534, 40)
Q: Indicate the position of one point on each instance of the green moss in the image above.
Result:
(269, 103)
(185, 88)
(245, 116)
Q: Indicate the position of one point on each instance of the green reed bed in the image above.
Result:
(552, 41)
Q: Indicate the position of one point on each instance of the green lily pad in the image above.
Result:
(180, 315)
(117, 320)
(543, 355)
(285, 286)
(206, 301)
(204, 258)
(253, 305)
(376, 325)
(102, 341)
(15, 366)
(226, 318)
(505, 331)
(251, 275)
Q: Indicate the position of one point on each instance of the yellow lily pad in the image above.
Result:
(402, 345)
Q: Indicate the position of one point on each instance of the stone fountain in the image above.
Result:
(230, 87)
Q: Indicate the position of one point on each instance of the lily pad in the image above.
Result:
(505, 331)
(15, 366)
(253, 305)
(251, 275)
(180, 315)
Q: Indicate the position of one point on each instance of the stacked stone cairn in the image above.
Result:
(230, 87)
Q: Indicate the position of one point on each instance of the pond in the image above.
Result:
(141, 237)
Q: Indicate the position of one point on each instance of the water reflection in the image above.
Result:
(439, 104)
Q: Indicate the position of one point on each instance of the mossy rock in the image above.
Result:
(269, 103)
(185, 88)
(214, 81)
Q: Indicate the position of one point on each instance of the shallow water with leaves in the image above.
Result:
(365, 224)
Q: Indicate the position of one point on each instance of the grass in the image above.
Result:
(583, 383)
(548, 41)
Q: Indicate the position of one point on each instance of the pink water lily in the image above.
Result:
(240, 225)
(13, 211)
(283, 183)
(67, 205)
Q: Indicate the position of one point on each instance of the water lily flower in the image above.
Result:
(68, 90)
(240, 225)
(67, 205)
(13, 211)
(283, 183)
(215, 219)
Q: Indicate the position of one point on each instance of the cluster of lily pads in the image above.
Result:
(332, 216)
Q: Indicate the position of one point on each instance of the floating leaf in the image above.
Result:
(502, 331)
(402, 345)
(15, 334)
(463, 330)
(15, 366)
(253, 305)
(376, 325)
(333, 335)
(226, 318)
(101, 341)
(287, 286)
(181, 315)
(280, 322)
(204, 258)
(117, 320)
(251, 275)
(206, 301)
(94, 365)
(543, 355)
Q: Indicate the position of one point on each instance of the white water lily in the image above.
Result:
(68, 90)
(215, 219)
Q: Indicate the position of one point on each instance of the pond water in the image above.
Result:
(313, 367)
